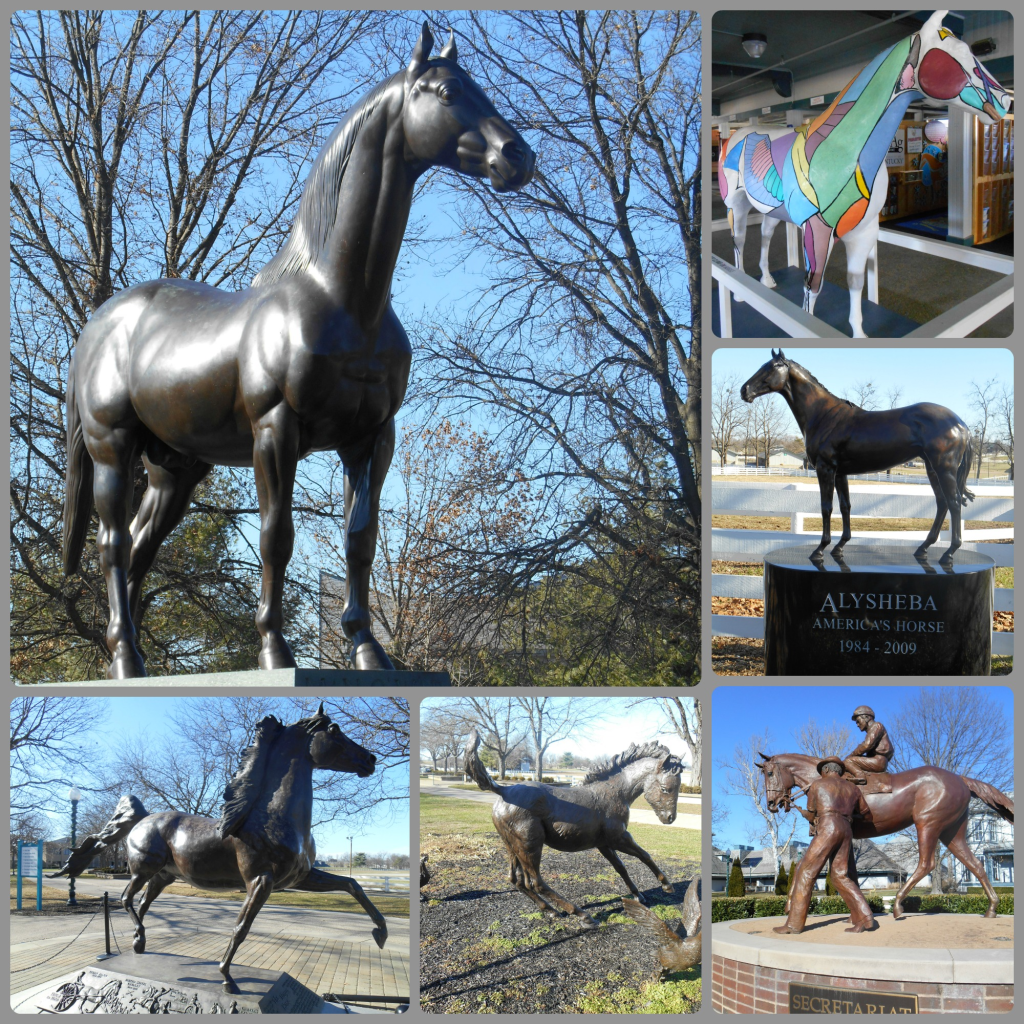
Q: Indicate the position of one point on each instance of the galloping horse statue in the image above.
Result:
(841, 438)
(261, 843)
(830, 177)
(311, 357)
(933, 800)
(528, 815)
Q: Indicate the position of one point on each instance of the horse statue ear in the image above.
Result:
(450, 51)
(764, 757)
(781, 354)
(320, 710)
(418, 64)
(935, 21)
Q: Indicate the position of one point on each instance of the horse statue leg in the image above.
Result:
(940, 510)
(275, 455)
(131, 890)
(843, 490)
(627, 844)
(321, 881)
(257, 890)
(927, 841)
(613, 858)
(768, 226)
(738, 212)
(365, 470)
(818, 240)
(826, 485)
(955, 839)
(166, 500)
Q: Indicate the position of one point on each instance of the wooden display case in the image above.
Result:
(993, 180)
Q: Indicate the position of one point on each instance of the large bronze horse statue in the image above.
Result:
(262, 841)
(310, 358)
(594, 815)
(933, 800)
(841, 438)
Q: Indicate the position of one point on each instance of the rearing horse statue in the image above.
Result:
(830, 177)
(933, 800)
(311, 357)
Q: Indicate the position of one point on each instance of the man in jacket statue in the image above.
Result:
(831, 804)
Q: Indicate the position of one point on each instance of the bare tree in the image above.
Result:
(893, 395)
(498, 721)
(744, 779)
(862, 393)
(586, 341)
(550, 719)
(984, 400)
(144, 145)
(767, 424)
(727, 415)
(683, 715)
(823, 740)
(442, 733)
(1004, 416)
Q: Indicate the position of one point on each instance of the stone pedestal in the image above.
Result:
(826, 970)
(877, 612)
(164, 983)
(290, 677)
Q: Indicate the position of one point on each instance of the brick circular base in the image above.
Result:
(754, 974)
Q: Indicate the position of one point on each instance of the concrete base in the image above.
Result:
(283, 677)
(163, 983)
(768, 973)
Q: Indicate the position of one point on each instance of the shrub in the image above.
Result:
(781, 881)
(736, 886)
(830, 889)
(955, 903)
(769, 906)
(726, 908)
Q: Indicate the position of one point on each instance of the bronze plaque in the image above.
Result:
(821, 999)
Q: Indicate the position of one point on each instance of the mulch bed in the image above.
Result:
(737, 656)
(484, 947)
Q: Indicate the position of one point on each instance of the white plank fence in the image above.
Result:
(761, 497)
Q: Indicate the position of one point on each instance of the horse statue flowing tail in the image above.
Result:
(310, 358)
(935, 801)
(830, 177)
(261, 843)
(590, 816)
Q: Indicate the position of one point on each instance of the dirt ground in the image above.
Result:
(485, 948)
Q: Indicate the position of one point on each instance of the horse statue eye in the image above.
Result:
(449, 91)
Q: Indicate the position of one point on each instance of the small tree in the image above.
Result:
(736, 886)
(782, 882)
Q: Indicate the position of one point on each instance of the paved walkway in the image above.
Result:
(637, 815)
(328, 951)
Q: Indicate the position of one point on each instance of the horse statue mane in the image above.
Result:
(318, 208)
(814, 380)
(629, 756)
(245, 785)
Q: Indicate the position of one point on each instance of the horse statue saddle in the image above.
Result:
(874, 782)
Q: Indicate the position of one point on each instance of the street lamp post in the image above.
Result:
(349, 838)
(74, 796)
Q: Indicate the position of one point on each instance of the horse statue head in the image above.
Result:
(332, 750)
(661, 789)
(772, 377)
(778, 783)
(449, 122)
(942, 67)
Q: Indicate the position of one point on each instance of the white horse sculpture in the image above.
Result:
(829, 177)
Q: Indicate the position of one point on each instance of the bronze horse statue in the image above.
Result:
(311, 357)
(841, 438)
(262, 841)
(933, 800)
(594, 815)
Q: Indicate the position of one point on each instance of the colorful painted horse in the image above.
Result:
(829, 177)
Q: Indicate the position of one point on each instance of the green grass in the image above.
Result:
(679, 992)
(1004, 576)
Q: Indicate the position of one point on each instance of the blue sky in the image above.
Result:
(939, 375)
(740, 712)
(150, 717)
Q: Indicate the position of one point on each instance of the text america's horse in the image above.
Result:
(933, 800)
(841, 438)
(830, 177)
(310, 358)
(261, 843)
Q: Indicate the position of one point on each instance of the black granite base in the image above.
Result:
(878, 612)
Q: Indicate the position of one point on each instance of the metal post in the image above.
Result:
(21, 843)
(106, 929)
(72, 902)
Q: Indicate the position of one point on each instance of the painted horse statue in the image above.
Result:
(830, 177)
(311, 357)
(530, 815)
(933, 800)
(841, 438)
(261, 843)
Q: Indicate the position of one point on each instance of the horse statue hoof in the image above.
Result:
(126, 664)
(139, 944)
(589, 923)
(990, 914)
(370, 656)
(669, 888)
(380, 935)
(276, 655)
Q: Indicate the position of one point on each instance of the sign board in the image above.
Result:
(821, 999)
(30, 865)
(817, 101)
(897, 149)
(915, 139)
(766, 110)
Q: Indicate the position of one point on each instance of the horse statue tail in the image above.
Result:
(474, 767)
(996, 799)
(127, 814)
(77, 483)
(962, 472)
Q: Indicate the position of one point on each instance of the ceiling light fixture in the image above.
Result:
(755, 43)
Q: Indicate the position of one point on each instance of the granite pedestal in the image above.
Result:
(878, 611)
(164, 983)
(290, 677)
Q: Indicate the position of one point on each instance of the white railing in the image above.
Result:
(957, 322)
(395, 885)
(800, 501)
(884, 478)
